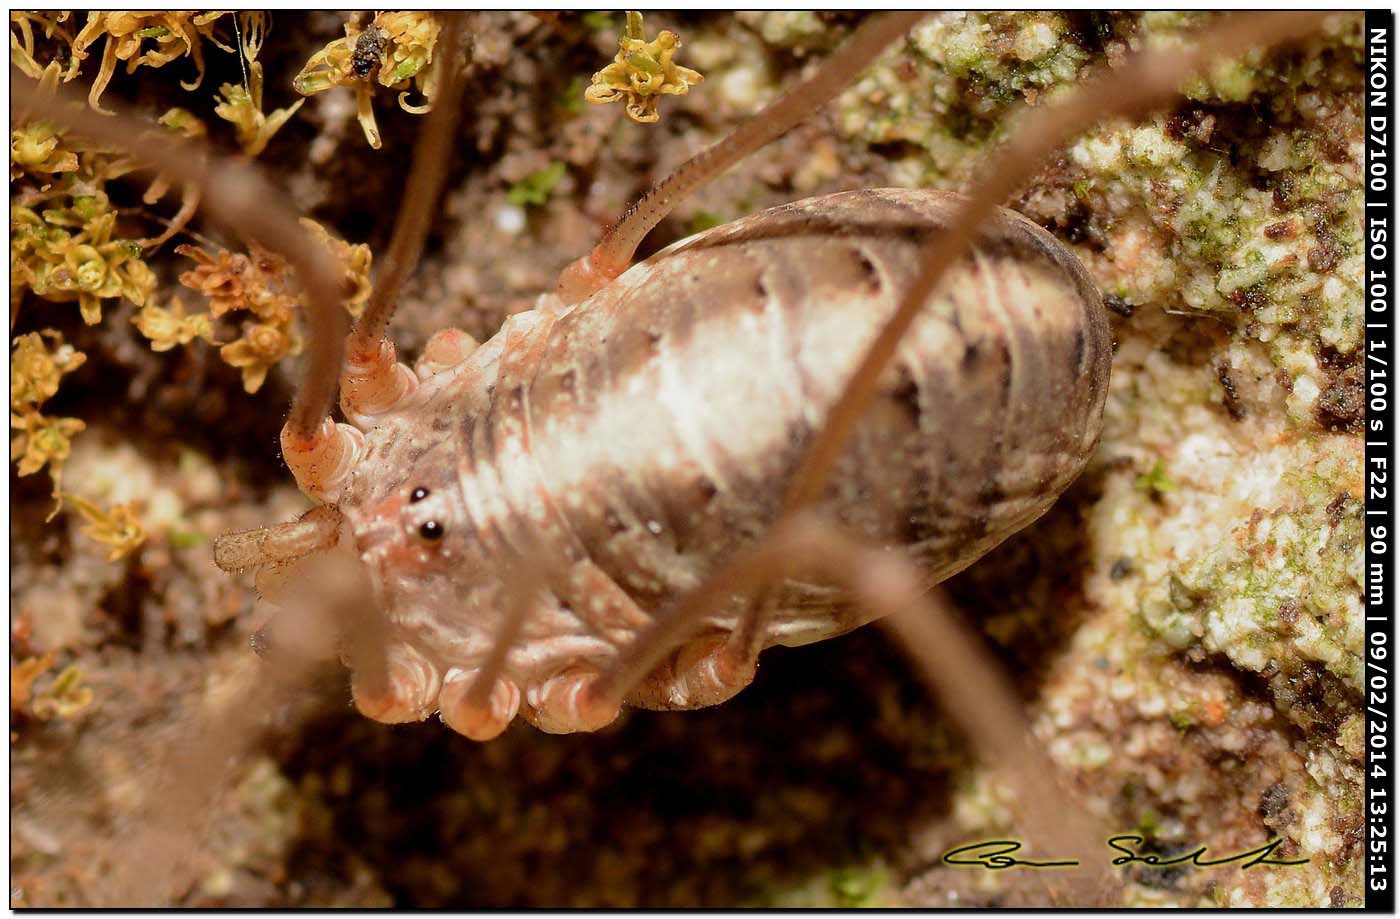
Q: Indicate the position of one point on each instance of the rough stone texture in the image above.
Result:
(1185, 623)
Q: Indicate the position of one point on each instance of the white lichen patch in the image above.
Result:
(962, 64)
(1278, 589)
(801, 29)
(1281, 889)
(1235, 249)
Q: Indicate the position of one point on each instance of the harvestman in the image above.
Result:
(388, 481)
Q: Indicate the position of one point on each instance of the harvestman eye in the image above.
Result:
(419, 494)
(431, 530)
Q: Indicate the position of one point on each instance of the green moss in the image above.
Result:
(1229, 215)
(571, 100)
(705, 220)
(857, 886)
(598, 21)
(1155, 481)
(1230, 80)
(535, 189)
(185, 539)
(1200, 211)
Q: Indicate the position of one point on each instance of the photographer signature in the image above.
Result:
(999, 854)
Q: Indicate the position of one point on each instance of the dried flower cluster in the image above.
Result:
(259, 284)
(166, 328)
(140, 38)
(34, 145)
(172, 35)
(119, 529)
(37, 440)
(68, 250)
(65, 238)
(65, 696)
(242, 106)
(642, 73)
(52, 26)
(394, 50)
(63, 242)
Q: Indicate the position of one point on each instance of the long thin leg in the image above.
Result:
(425, 181)
(614, 253)
(954, 663)
(968, 683)
(189, 771)
(480, 706)
(374, 382)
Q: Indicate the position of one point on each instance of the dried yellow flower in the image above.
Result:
(410, 37)
(38, 440)
(395, 49)
(42, 441)
(243, 109)
(355, 258)
(88, 266)
(22, 677)
(642, 72)
(34, 148)
(242, 106)
(260, 283)
(234, 281)
(65, 697)
(22, 23)
(167, 328)
(119, 528)
(35, 370)
(175, 34)
(260, 347)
